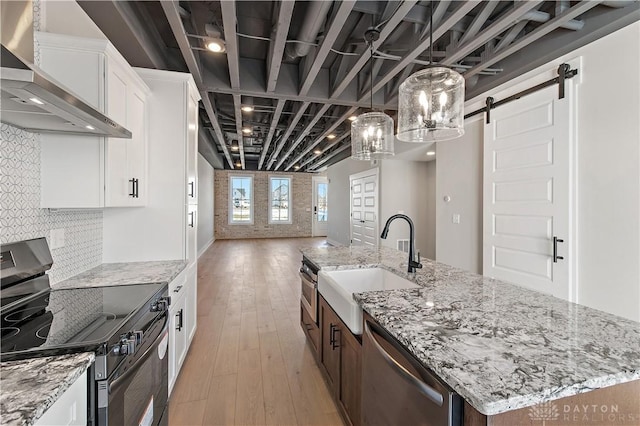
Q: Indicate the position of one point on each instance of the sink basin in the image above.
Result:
(337, 288)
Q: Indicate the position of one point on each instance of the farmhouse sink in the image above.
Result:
(338, 287)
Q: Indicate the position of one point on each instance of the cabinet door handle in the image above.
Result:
(556, 240)
(192, 219)
(179, 324)
(133, 188)
(137, 184)
(192, 189)
(333, 340)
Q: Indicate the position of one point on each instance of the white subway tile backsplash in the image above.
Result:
(21, 217)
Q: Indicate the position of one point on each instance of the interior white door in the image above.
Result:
(527, 169)
(364, 208)
(320, 206)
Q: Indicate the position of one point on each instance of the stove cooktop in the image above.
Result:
(70, 319)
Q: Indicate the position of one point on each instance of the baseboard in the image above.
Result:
(333, 243)
(203, 249)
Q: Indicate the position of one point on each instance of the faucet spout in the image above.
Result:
(413, 263)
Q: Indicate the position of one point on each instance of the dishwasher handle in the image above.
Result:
(424, 388)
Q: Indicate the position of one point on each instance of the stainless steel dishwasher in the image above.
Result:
(398, 390)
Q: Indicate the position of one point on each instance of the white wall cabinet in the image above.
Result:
(93, 171)
(70, 408)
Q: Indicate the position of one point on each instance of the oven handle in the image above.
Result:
(143, 357)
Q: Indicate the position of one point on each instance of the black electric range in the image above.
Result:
(122, 325)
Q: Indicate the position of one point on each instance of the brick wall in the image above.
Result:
(301, 193)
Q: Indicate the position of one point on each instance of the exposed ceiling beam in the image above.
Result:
(539, 32)
(237, 105)
(320, 138)
(278, 42)
(292, 125)
(171, 11)
(416, 14)
(219, 136)
(327, 148)
(275, 119)
(386, 31)
(330, 36)
(207, 148)
(511, 35)
(448, 22)
(303, 134)
(502, 23)
(478, 21)
(328, 157)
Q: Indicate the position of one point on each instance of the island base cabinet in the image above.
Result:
(616, 405)
(340, 360)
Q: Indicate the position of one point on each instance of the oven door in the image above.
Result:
(309, 296)
(137, 392)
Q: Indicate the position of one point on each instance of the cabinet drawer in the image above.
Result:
(310, 329)
(177, 287)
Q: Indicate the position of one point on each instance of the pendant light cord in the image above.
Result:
(371, 72)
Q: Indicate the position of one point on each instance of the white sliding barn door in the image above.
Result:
(527, 192)
(364, 208)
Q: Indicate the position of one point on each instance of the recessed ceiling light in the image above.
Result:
(36, 101)
(331, 136)
(247, 130)
(297, 167)
(431, 153)
(216, 46)
(247, 108)
(317, 151)
(234, 147)
(353, 118)
(238, 164)
(90, 127)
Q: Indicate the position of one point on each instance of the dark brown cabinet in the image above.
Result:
(340, 359)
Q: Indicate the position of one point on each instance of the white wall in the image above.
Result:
(65, 17)
(405, 188)
(459, 176)
(608, 172)
(338, 231)
(205, 204)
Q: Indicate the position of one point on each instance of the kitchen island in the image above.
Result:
(500, 346)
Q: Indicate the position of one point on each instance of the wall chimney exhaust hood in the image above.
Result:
(32, 100)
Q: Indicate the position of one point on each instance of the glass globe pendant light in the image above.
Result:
(431, 102)
(372, 132)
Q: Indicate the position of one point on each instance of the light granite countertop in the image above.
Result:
(500, 346)
(113, 274)
(30, 387)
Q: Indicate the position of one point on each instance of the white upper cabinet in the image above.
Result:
(93, 171)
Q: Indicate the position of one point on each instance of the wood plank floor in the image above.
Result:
(249, 363)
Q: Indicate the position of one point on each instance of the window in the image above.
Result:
(322, 202)
(279, 200)
(241, 199)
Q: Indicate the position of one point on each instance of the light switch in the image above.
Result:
(56, 239)
(455, 218)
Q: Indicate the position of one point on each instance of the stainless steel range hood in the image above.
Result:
(31, 99)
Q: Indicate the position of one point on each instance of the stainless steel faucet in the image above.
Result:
(413, 264)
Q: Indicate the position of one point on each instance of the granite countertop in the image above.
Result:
(30, 387)
(500, 346)
(112, 274)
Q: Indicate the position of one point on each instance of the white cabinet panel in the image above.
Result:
(177, 337)
(70, 408)
(192, 301)
(192, 151)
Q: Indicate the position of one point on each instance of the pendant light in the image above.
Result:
(372, 132)
(431, 102)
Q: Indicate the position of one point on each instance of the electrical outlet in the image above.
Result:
(56, 239)
(455, 218)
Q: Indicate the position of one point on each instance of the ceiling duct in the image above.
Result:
(313, 20)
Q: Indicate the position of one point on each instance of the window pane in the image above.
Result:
(280, 199)
(241, 196)
(322, 202)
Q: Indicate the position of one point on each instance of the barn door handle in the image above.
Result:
(556, 240)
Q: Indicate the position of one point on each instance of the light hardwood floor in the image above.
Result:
(249, 363)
